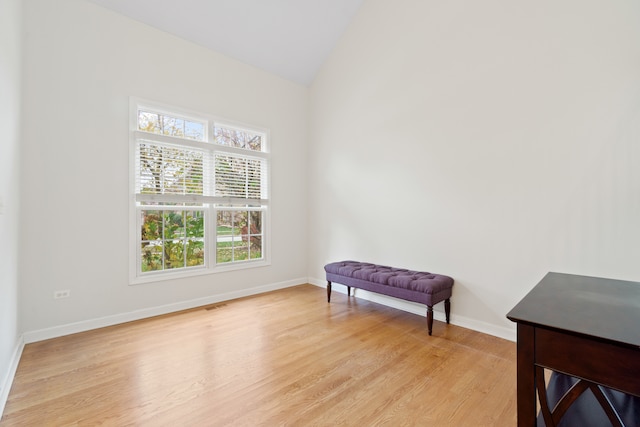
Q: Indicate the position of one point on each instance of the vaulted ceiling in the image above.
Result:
(290, 38)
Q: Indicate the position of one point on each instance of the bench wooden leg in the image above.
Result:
(328, 291)
(430, 318)
(447, 308)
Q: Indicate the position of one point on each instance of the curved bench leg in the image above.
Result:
(328, 291)
(447, 308)
(430, 318)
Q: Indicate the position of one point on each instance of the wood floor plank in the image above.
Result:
(284, 358)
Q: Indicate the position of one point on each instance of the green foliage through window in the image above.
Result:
(239, 235)
(172, 239)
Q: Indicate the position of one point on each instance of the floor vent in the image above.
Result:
(213, 307)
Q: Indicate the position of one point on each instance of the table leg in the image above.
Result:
(526, 388)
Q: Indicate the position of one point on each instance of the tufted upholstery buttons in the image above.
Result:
(389, 276)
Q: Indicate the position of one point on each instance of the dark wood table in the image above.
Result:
(586, 329)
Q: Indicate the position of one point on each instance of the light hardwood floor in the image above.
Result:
(281, 358)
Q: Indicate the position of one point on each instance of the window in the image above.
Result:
(199, 194)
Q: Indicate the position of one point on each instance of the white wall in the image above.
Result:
(82, 62)
(491, 141)
(10, 26)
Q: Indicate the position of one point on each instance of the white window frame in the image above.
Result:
(212, 205)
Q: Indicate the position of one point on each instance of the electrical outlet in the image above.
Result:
(62, 294)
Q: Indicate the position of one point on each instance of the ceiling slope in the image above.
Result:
(290, 38)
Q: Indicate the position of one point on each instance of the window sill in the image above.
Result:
(159, 277)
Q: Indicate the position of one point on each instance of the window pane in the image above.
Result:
(164, 124)
(172, 126)
(225, 222)
(194, 130)
(173, 253)
(226, 230)
(195, 252)
(223, 254)
(239, 235)
(194, 230)
(240, 248)
(173, 224)
(255, 254)
(148, 122)
(255, 219)
(255, 234)
(238, 138)
(241, 253)
(151, 225)
(151, 256)
(194, 224)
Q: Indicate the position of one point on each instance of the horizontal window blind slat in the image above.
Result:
(171, 140)
(186, 198)
(238, 176)
(170, 169)
(163, 169)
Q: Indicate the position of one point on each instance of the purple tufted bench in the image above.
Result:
(416, 286)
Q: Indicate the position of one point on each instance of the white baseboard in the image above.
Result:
(101, 322)
(5, 386)
(419, 309)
